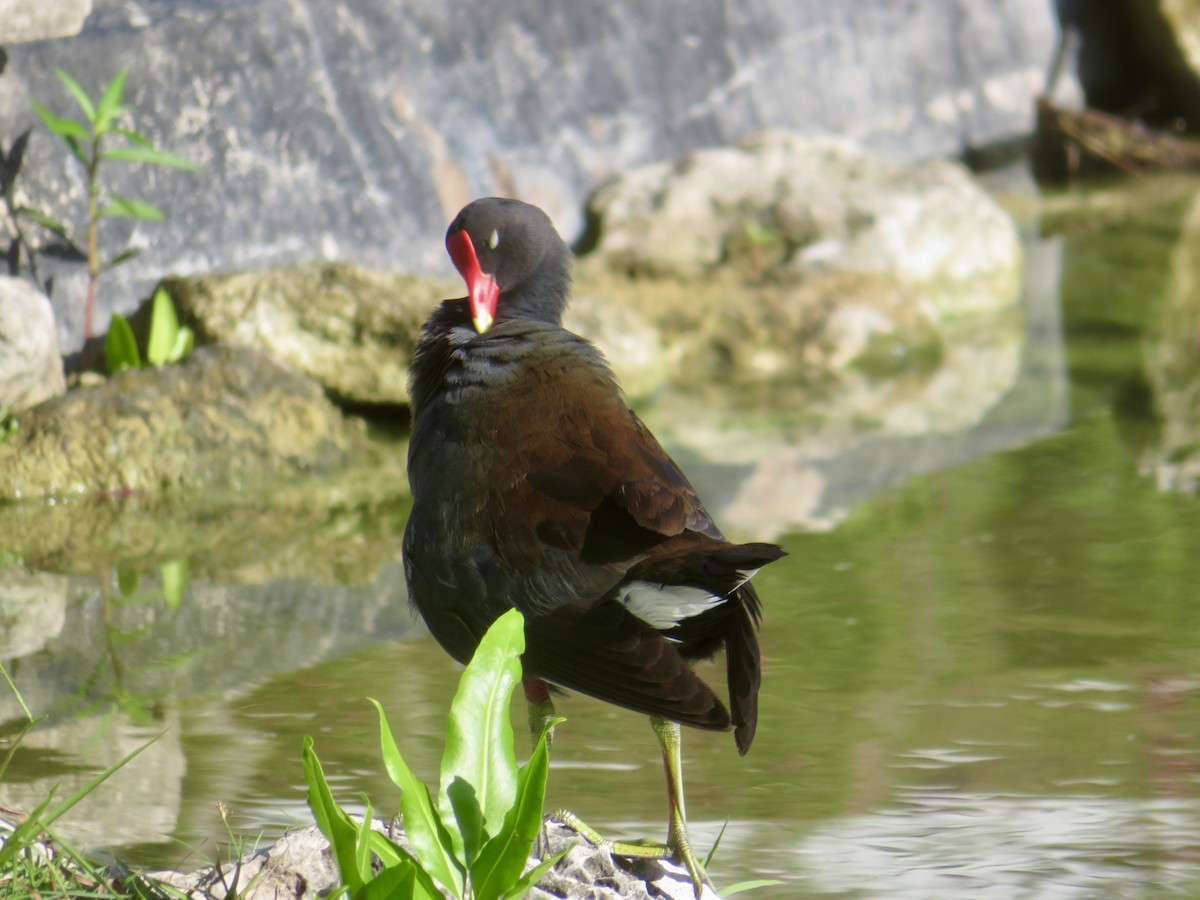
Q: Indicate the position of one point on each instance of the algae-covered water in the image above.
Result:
(982, 670)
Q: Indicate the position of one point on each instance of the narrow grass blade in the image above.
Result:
(24, 834)
(150, 155)
(110, 106)
(128, 208)
(742, 886)
(717, 843)
(61, 126)
(17, 694)
(428, 834)
(40, 820)
(80, 95)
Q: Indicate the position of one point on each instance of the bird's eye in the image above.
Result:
(494, 239)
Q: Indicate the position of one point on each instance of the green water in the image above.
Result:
(985, 681)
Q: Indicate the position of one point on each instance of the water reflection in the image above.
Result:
(940, 843)
(985, 679)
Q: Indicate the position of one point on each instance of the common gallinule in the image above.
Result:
(535, 486)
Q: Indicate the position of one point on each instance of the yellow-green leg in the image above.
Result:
(541, 709)
(678, 846)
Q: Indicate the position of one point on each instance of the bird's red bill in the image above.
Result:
(483, 293)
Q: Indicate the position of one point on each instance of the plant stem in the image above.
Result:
(93, 242)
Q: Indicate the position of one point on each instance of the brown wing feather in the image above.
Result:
(592, 470)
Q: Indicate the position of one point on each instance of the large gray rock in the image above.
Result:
(354, 330)
(30, 20)
(31, 368)
(811, 205)
(355, 129)
(223, 418)
(805, 257)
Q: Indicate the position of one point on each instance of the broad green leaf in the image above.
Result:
(391, 854)
(432, 842)
(465, 806)
(120, 350)
(80, 95)
(331, 819)
(110, 106)
(63, 127)
(164, 329)
(479, 735)
(150, 155)
(127, 581)
(128, 208)
(362, 842)
(397, 882)
(503, 858)
(185, 342)
(174, 581)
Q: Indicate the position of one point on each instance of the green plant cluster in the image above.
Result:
(475, 842)
(169, 342)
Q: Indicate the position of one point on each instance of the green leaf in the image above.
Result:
(25, 833)
(127, 581)
(185, 342)
(44, 822)
(391, 855)
(750, 886)
(110, 104)
(63, 127)
(120, 350)
(80, 95)
(479, 735)
(164, 329)
(362, 843)
(331, 818)
(130, 134)
(393, 883)
(174, 581)
(128, 208)
(433, 844)
(503, 858)
(122, 257)
(46, 221)
(465, 806)
(150, 155)
(526, 882)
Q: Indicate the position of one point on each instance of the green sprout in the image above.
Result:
(91, 143)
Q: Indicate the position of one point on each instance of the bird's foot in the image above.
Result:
(677, 848)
